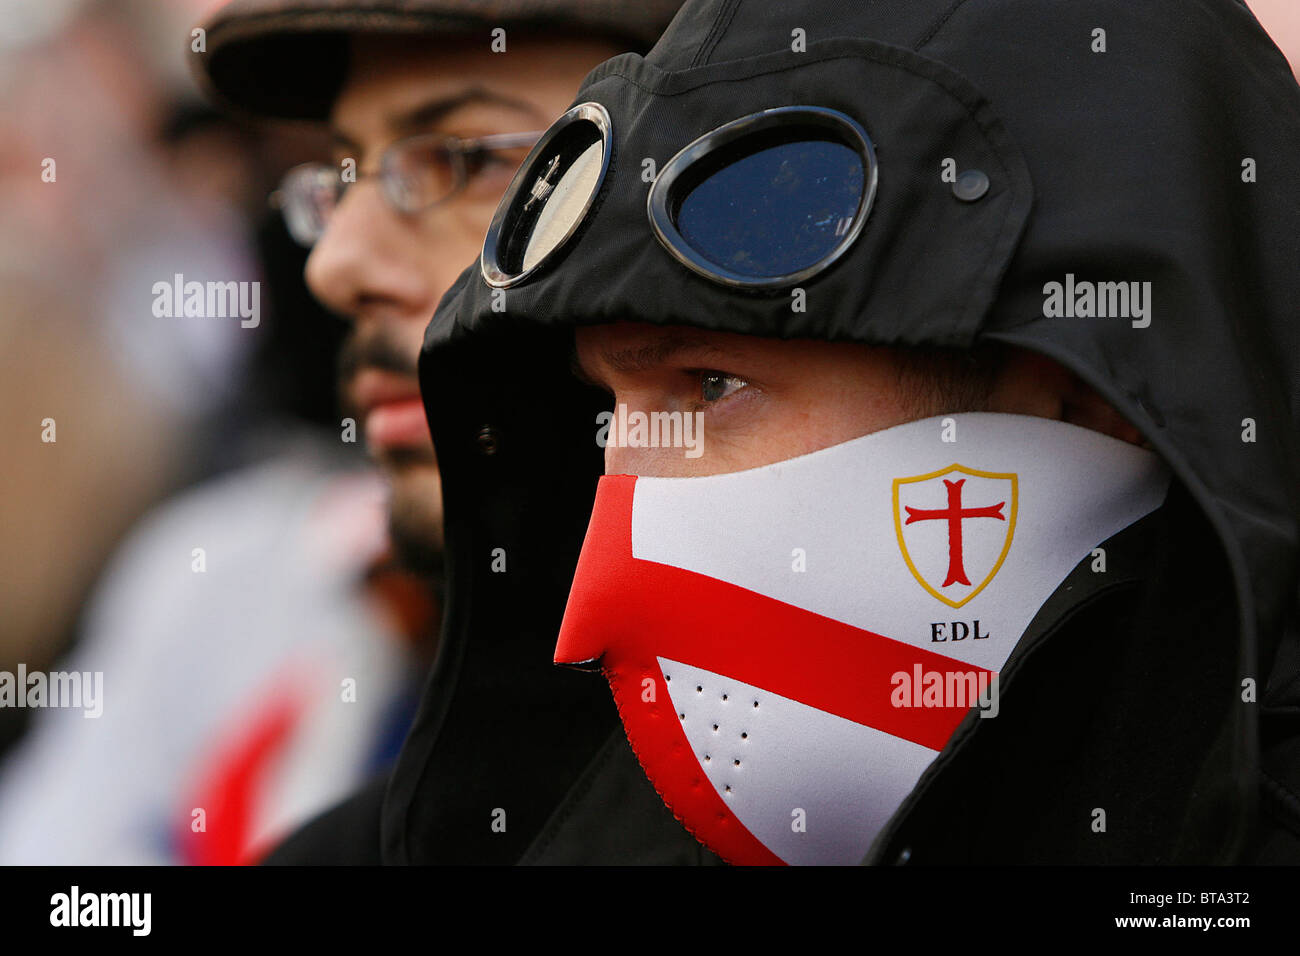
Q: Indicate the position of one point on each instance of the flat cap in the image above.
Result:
(286, 58)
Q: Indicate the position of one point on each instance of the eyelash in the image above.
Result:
(699, 374)
(696, 376)
(484, 160)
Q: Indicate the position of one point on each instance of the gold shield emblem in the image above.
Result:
(955, 528)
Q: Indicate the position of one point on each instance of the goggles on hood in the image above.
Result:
(764, 201)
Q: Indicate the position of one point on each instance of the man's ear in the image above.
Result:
(1033, 384)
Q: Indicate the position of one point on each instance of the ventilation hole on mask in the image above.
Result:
(724, 696)
(756, 705)
(699, 689)
(666, 677)
(715, 728)
(744, 736)
(735, 763)
(707, 758)
(728, 790)
(682, 716)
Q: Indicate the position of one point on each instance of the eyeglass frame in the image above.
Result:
(458, 147)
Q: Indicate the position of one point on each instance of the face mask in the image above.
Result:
(791, 646)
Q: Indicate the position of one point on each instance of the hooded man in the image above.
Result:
(432, 104)
(942, 361)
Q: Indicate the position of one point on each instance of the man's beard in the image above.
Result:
(415, 506)
(415, 518)
(379, 348)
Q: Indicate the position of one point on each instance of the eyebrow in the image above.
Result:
(421, 117)
(644, 357)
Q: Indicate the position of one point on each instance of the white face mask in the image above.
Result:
(791, 646)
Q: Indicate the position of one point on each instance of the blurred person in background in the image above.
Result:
(82, 194)
(431, 108)
(256, 640)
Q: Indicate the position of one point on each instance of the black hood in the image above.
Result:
(1169, 158)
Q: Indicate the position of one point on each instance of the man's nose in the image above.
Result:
(369, 258)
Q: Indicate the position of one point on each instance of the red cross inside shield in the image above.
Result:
(955, 528)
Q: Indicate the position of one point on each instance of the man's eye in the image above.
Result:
(486, 161)
(478, 160)
(715, 386)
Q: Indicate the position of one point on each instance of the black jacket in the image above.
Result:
(1167, 691)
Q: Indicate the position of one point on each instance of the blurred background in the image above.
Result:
(171, 435)
(163, 429)
(150, 181)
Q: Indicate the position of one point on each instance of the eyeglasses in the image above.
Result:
(415, 174)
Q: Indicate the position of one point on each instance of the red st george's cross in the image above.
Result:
(954, 514)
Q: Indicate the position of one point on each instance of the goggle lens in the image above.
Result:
(776, 211)
(767, 200)
(549, 197)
